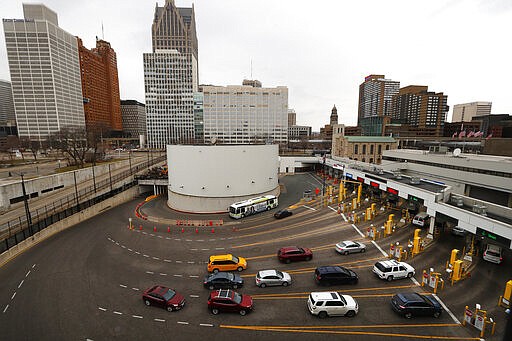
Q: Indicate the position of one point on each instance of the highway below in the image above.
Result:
(86, 282)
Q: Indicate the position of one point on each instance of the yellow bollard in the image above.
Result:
(387, 227)
(359, 192)
(457, 271)
(453, 256)
(368, 214)
(505, 299)
(354, 203)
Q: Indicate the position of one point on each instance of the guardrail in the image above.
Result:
(17, 230)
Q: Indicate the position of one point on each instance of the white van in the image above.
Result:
(421, 218)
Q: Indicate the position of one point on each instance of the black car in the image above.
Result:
(413, 304)
(223, 280)
(330, 275)
(282, 214)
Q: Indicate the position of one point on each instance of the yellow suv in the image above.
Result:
(226, 263)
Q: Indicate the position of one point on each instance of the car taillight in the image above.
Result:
(401, 306)
(318, 277)
(485, 253)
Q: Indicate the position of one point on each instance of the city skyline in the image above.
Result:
(322, 63)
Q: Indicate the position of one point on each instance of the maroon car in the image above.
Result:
(229, 301)
(293, 253)
(163, 297)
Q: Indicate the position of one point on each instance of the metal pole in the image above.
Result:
(110, 176)
(93, 179)
(76, 192)
(148, 158)
(27, 210)
(323, 175)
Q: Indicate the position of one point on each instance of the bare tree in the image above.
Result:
(32, 144)
(73, 142)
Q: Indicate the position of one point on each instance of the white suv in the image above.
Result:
(392, 269)
(493, 254)
(330, 303)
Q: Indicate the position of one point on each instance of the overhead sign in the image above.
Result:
(492, 236)
(349, 175)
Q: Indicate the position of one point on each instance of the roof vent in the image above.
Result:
(457, 200)
(480, 209)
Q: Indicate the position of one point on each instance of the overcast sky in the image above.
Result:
(320, 49)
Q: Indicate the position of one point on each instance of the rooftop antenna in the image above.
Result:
(102, 33)
(251, 68)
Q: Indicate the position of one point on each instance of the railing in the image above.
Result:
(17, 230)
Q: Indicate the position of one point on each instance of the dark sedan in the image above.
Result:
(282, 214)
(163, 297)
(413, 304)
(223, 280)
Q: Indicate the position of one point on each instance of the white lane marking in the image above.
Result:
(415, 281)
(358, 231)
(167, 238)
(163, 274)
(124, 247)
(151, 234)
(446, 309)
(177, 239)
(195, 296)
(200, 240)
(155, 258)
(13, 295)
(137, 316)
(190, 262)
(136, 289)
(118, 313)
(178, 261)
(160, 237)
(117, 243)
(344, 218)
(28, 273)
(21, 283)
(212, 240)
(205, 249)
(188, 240)
(219, 248)
(122, 286)
(181, 322)
(310, 208)
(150, 272)
(130, 250)
(230, 238)
(379, 248)
(5, 309)
(102, 309)
(144, 233)
(159, 320)
(193, 249)
(206, 325)
(167, 260)
(137, 252)
(178, 275)
(146, 256)
(89, 339)
(193, 276)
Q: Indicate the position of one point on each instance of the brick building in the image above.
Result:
(100, 87)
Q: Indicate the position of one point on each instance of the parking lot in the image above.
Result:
(87, 282)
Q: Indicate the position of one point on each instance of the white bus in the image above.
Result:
(252, 206)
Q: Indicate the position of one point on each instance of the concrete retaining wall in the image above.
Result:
(68, 222)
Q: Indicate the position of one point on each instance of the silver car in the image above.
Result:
(272, 277)
(347, 246)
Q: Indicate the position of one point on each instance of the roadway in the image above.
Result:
(86, 282)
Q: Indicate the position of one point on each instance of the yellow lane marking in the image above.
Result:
(305, 270)
(376, 326)
(342, 291)
(411, 336)
(306, 296)
(328, 229)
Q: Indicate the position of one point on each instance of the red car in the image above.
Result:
(229, 301)
(163, 297)
(293, 253)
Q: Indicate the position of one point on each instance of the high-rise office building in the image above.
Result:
(45, 73)
(171, 76)
(244, 114)
(465, 112)
(292, 117)
(169, 98)
(100, 87)
(420, 109)
(134, 118)
(7, 115)
(199, 117)
(375, 95)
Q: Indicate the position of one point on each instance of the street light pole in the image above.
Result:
(110, 176)
(25, 200)
(93, 178)
(130, 160)
(323, 176)
(76, 192)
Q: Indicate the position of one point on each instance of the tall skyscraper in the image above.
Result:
(100, 87)
(45, 73)
(171, 76)
(7, 115)
(375, 95)
(465, 112)
(292, 117)
(244, 114)
(419, 108)
(134, 118)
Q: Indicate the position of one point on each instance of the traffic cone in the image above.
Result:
(213, 230)
(182, 229)
(154, 228)
(140, 227)
(168, 229)
(197, 231)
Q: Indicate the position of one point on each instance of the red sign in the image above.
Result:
(317, 191)
(392, 191)
(360, 179)
(374, 184)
